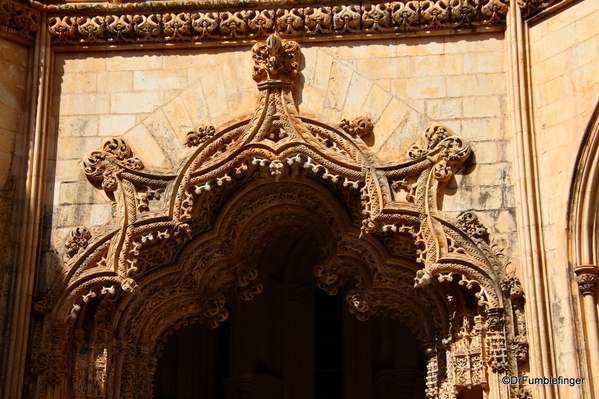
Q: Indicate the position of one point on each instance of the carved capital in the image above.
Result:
(586, 277)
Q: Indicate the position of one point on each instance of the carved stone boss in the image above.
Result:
(183, 240)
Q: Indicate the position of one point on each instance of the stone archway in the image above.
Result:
(583, 216)
(188, 239)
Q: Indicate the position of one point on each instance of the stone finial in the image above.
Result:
(105, 164)
(276, 59)
(586, 277)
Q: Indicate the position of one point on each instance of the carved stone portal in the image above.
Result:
(379, 228)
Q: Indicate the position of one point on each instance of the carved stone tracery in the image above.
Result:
(383, 241)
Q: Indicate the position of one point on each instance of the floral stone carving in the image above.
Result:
(379, 227)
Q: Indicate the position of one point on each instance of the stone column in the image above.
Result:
(587, 278)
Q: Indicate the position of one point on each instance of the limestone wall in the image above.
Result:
(565, 82)
(152, 98)
(13, 95)
(564, 62)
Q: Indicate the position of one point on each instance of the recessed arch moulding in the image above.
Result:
(190, 239)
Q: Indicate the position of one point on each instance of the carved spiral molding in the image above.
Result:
(188, 242)
(196, 21)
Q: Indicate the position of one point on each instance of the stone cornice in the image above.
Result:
(228, 20)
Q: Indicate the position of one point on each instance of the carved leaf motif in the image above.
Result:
(435, 13)
(469, 222)
(205, 24)
(119, 27)
(290, 21)
(495, 10)
(233, 24)
(18, 19)
(147, 26)
(318, 20)
(106, 164)
(91, 29)
(346, 18)
(406, 15)
(6, 10)
(176, 26)
(62, 29)
(376, 18)
(200, 135)
(261, 22)
(275, 59)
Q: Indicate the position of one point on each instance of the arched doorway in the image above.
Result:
(292, 341)
(268, 208)
(583, 219)
(196, 361)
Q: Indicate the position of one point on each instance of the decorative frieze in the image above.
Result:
(178, 21)
(20, 19)
(193, 22)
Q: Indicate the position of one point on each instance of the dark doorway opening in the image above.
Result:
(328, 345)
(194, 363)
